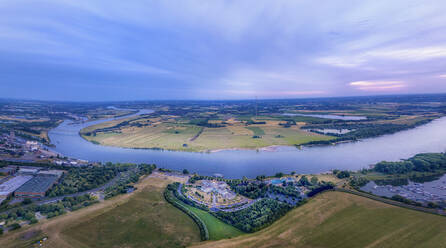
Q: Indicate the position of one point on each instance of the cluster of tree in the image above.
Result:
(14, 226)
(31, 130)
(341, 174)
(51, 210)
(114, 128)
(68, 203)
(87, 178)
(321, 188)
(83, 179)
(77, 202)
(405, 200)
(250, 189)
(197, 134)
(362, 131)
(255, 217)
(204, 122)
(288, 190)
(122, 186)
(195, 178)
(128, 178)
(358, 182)
(424, 162)
(169, 195)
(252, 122)
(288, 123)
(19, 214)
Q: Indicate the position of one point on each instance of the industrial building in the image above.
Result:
(8, 170)
(28, 170)
(8, 187)
(37, 186)
(57, 173)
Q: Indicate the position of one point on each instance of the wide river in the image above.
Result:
(250, 163)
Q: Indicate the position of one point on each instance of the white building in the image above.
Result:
(8, 187)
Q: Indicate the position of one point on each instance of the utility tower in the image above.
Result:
(257, 107)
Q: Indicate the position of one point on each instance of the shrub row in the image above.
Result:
(169, 196)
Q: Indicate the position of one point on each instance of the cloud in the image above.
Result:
(378, 85)
(278, 94)
(409, 54)
(276, 49)
(369, 57)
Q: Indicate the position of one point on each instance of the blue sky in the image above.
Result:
(143, 50)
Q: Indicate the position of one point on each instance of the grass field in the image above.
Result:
(336, 219)
(217, 228)
(256, 130)
(146, 220)
(142, 219)
(172, 136)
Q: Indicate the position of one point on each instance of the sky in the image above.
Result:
(94, 50)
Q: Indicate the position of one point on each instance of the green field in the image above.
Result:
(146, 220)
(217, 228)
(335, 219)
(257, 131)
(179, 137)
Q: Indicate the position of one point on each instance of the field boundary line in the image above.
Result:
(391, 202)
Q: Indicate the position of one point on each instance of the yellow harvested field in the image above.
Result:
(239, 130)
(184, 137)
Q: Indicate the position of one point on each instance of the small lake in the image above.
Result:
(333, 117)
(250, 163)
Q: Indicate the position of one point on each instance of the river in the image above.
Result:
(430, 137)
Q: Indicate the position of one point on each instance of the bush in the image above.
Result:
(320, 189)
(14, 226)
(255, 217)
(343, 174)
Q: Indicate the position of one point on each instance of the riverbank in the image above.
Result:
(250, 163)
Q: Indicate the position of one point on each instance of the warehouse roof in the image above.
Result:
(12, 184)
(38, 184)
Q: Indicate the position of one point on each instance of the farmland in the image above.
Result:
(335, 219)
(210, 126)
(172, 136)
